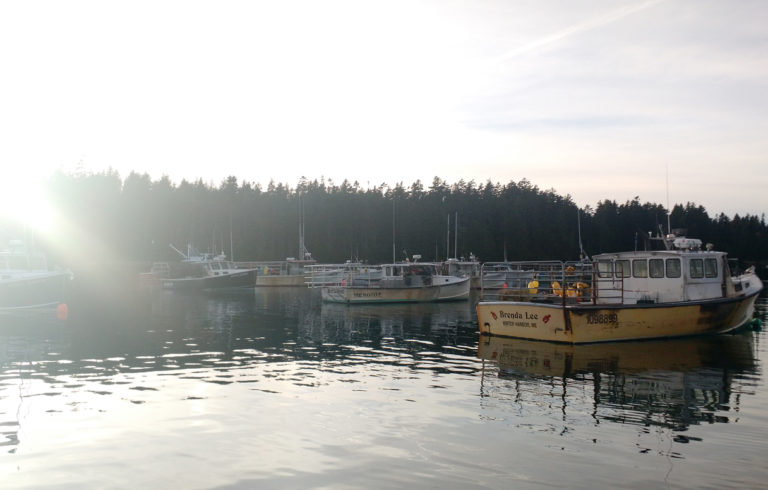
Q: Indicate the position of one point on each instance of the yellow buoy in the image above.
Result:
(533, 287)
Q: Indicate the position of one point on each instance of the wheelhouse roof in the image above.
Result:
(640, 254)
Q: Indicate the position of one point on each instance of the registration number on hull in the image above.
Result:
(602, 318)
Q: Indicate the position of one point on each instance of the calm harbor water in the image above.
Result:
(274, 389)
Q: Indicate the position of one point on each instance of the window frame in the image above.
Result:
(660, 270)
(623, 268)
(710, 268)
(678, 264)
(605, 268)
(696, 268)
(643, 263)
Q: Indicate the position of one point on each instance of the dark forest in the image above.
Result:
(135, 219)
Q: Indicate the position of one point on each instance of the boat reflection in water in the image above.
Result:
(668, 383)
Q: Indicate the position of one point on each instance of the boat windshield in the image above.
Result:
(418, 270)
(220, 266)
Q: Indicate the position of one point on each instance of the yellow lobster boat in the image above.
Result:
(679, 291)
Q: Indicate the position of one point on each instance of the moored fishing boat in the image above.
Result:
(288, 272)
(394, 283)
(210, 275)
(681, 290)
(26, 282)
(201, 272)
(280, 273)
(463, 267)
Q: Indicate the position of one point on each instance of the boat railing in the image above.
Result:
(551, 282)
(26, 261)
(608, 290)
(538, 281)
(347, 274)
(160, 269)
(276, 267)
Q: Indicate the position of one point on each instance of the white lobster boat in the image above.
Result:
(199, 272)
(464, 268)
(679, 291)
(389, 283)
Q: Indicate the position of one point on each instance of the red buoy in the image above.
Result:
(62, 311)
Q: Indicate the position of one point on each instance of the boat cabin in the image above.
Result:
(220, 268)
(682, 273)
(410, 274)
(461, 267)
(17, 258)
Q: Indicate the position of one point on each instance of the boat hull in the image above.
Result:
(39, 290)
(237, 280)
(602, 323)
(454, 291)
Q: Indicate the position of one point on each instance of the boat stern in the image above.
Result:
(524, 320)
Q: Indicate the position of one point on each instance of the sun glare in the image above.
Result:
(26, 205)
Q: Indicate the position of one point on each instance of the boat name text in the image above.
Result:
(519, 316)
(372, 294)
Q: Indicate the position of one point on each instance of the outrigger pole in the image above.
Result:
(582, 254)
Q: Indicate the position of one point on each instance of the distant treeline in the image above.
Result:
(136, 219)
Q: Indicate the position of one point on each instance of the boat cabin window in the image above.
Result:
(710, 267)
(622, 268)
(605, 268)
(639, 268)
(656, 268)
(696, 268)
(417, 270)
(673, 268)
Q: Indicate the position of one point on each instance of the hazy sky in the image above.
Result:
(596, 99)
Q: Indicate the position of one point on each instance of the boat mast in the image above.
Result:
(303, 252)
(448, 238)
(456, 237)
(393, 228)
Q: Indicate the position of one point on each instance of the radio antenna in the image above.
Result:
(669, 211)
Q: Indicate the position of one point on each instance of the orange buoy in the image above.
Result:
(62, 311)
